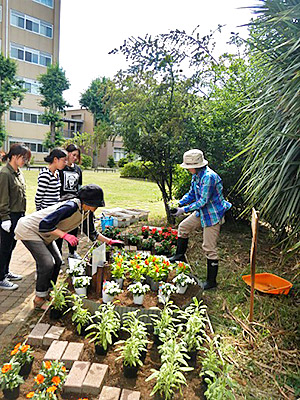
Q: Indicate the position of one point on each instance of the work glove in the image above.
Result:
(116, 243)
(6, 225)
(70, 239)
(180, 210)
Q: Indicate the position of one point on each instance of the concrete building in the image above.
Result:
(29, 34)
(82, 120)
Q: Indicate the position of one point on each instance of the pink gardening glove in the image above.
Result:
(70, 239)
(115, 242)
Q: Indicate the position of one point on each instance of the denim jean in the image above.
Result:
(48, 262)
(7, 244)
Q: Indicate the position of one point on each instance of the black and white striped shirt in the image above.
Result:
(48, 190)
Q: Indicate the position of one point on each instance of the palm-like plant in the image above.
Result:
(271, 178)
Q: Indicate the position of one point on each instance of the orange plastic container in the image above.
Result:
(269, 283)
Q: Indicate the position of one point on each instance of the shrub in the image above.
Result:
(135, 169)
(181, 182)
(111, 162)
(86, 161)
(125, 160)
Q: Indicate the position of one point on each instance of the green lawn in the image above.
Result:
(118, 192)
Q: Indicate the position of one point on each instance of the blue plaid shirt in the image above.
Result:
(206, 197)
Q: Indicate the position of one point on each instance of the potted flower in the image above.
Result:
(105, 329)
(23, 354)
(182, 267)
(148, 243)
(165, 290)
(118, 272)
(182, 281)
(59, 301)
(138, 290)
(80, 284)
(76, 268)
(10, 380)
(110, 289)
(145, 231)
(136, 270)
(81, 317)
(158, 270)
(164, 323)
(50, 378)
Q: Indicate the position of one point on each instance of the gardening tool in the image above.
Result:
(254, 227)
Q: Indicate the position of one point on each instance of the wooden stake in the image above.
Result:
(254, 226)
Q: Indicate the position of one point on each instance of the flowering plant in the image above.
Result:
(81, 281)
(76, 268)
(183, 280)
(158, 267)
(165, 291)
(52, 373)
(48, 394)
(118, 269)
(145, 231)
(182, 267)
(148, 243)
(111, 288)
(136, 269)
(9, 375)
(138, 289)
(22, 353)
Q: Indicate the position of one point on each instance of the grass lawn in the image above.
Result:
(118, 192)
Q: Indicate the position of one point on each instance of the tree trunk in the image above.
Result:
(166, 198)
(95, 159)
(52, 130)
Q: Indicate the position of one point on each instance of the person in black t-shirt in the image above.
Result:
(71, 182)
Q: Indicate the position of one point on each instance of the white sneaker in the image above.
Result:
(75, 255)
(13, 277)
(7, 285)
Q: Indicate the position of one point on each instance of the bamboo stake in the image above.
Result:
(254, 226)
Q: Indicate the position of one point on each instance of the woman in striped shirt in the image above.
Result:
(48, 190)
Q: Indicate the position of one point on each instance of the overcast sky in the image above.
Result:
(91, 28)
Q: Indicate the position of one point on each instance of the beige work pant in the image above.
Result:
(210, 234)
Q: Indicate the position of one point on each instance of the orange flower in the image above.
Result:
(6, 368)
(25, 348)
(63, 368)
(51, 389)
(47, 364)
(13, 352)
(56, 380)
(30, 395)
(17, 345)
(39, 379)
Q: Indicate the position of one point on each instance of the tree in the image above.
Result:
(271, 178)
(10, 89)
(53, 84)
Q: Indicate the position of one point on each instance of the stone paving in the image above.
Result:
(16, 305)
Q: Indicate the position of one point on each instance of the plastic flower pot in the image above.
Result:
(130, 371)
(153, 285)
(119, 282)
(192, 361)
(156, 340)
(181, 289)
(56, 314)
(138, 299)
(26, 368)
(107, 298)
(100, 350)
(11, 394)
(81, 291)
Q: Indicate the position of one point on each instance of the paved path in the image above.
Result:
(16, 305)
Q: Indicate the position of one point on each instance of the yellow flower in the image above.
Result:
(51, 389)
(47, 364)
(63, 368)
(56, 380)
(17, 345)
(30, 395)
(5, 368)
(13, 352)
(39, 379)
(25, 348)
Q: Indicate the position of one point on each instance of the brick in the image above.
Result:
(130, 395)
(75, 379)
(35, 337)
(95, 378)
(54, 333)
(56, 350)
(72, 353)
(110, 393)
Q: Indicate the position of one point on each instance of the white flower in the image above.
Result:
(166, 289)
(111, 288)
(76, 269)
(81, 281)
(183, 280)
(137, 289)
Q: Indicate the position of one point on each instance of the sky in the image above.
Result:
(90, 29)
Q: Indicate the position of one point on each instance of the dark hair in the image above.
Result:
(72, 147)
(58, 153)
(17, 149)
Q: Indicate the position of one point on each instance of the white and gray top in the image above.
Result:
(48, 190)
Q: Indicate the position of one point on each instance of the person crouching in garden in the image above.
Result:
(38, 232)
(12, 208)
(206, 202)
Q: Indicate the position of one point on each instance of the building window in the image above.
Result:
(32, 87)
(0, 13)
(31, 24)
(29, 55)
(118, 153)
(48, 3)
(33, 146)
(27, 116)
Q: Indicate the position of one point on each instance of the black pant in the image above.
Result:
(7, 244)
(72, 249)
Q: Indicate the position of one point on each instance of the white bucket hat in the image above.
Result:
(193, 159)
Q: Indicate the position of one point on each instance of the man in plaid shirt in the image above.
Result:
(206, 202)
